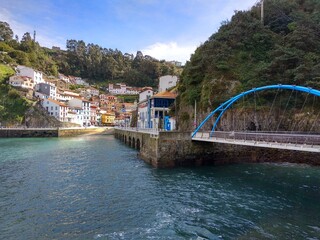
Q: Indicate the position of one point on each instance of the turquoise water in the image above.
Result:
(95, 187)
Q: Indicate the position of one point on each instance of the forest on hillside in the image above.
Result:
(247, 53)
(89, 61)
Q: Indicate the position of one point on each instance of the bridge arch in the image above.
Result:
(138, 144)
(227, 104)
(133, 142)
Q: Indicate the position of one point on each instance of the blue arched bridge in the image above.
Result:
(308, 141)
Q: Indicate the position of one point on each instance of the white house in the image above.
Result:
(146, 93)
(29, 72)
(56, 109)
(48, 89)
(66, 96)
(80, 81)
(82, 107)
(21, 81)
(63, 77)
(166, 82)
(92, 91)
(117, 88)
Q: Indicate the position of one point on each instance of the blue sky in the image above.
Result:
(164, 29)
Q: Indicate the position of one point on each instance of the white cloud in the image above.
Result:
(170, 51)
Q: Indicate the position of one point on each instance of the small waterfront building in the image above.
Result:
(159, 108)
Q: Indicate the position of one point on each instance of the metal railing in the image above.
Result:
(142, 130)
(310, 139)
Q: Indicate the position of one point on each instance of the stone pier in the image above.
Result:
(167, 149)
(171, 149)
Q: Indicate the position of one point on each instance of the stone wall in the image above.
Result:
(168, 149)
(171, 149)
(50, 132)
(19, 133)
(228, 153)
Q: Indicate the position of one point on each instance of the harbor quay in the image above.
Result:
(52, 132)
(165, 149)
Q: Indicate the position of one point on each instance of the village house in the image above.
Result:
(36, 76)
(56, 109)
(80, 81)
(167, 82)
(21, 81)
(93, 91)
(143, 109)
(64, 78)
(93, 115)
(118, 88)
(46, 90)
(108, 119)
(60, 84)
(159, 108)
(66, 96)
(82, 107)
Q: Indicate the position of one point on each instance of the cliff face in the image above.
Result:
(246, 120)
(36, 117)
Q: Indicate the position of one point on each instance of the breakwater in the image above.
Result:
(51, 132)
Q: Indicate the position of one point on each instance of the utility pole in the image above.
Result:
(195, 114)
(262, 12)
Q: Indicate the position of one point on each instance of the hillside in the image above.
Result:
(246, 53)
(12, 105)
(90, 61)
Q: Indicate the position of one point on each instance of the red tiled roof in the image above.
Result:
(57, 102)
(165, 94)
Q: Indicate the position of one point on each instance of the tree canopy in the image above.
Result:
(89, 61)
(245, 53)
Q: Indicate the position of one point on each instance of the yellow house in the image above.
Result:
(108, 118)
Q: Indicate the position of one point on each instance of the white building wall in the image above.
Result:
(166, 82)
(144, 95)
(36, 76)
(56, 110)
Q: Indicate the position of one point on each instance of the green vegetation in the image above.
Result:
(110, 66)
(127, 98)
(245, 53)
(12, 105)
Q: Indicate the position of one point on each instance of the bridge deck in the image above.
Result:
(297, 142)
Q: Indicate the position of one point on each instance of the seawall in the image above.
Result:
(51, 132)
(171, 149)
(166, 149)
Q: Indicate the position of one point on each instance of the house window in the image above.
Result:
(56, 108)
(51, 108)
